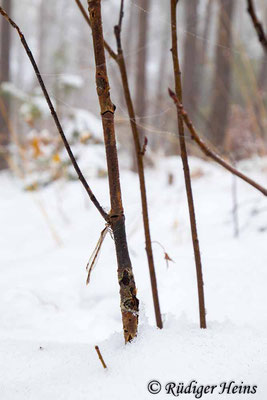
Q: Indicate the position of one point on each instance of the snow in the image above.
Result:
(10, 89)
(46, 240)
(70, 81)
(84, 121)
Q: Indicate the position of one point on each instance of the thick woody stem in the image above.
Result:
(55, 117)
(178, 89)
(129, 301)
(207, 151)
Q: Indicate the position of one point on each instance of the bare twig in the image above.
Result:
(100, 357)
(87, 19)
(129, 301)
(257, 24)
(140, 151)
(207, 151)
(121, 14)
(178, 89)
(55, 117)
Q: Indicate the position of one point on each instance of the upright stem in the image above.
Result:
(178, 89)
(120, 60)
(140, 167)
(129, 301)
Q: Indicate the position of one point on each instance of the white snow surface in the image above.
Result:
(50, 321)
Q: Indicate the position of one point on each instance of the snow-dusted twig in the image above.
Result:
(207, 151)
(54, 115)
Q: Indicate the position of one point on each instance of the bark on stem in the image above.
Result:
(207, 151)
(129, 301)
(84, 13)
(178, 89)
(140, 167)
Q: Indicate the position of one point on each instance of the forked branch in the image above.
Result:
(87, 19)
(55, 117)
(207, 151)
(257, 24)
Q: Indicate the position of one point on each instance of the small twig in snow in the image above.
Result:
(100, 357)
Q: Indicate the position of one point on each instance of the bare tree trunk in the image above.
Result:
(191, 65)
(141, 74)
(206, 31)
(262, 79)
(4, 77)
(222, 75)
(129, 302)
(42, 34)
(130, 38)
(156, 141)
(263, 74)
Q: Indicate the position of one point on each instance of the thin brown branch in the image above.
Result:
(87, 19)
(178, 89)
(257, 24)
(129, 301)
(119, 58)
(207, 151)
(55, 117)
(139, 151)
(121, 14)
(100, 357)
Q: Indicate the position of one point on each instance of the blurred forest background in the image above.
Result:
(224, 73)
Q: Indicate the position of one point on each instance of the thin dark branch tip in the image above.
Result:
(55, 116)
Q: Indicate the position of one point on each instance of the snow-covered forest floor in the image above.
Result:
(50, 321)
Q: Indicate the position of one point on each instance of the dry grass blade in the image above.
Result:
(94, 257)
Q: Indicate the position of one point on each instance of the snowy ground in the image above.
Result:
(50, 321)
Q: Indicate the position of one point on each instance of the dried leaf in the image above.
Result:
(167, 258)
(56, 158)
(36, 147)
